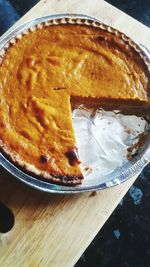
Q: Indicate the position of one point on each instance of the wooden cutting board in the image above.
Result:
(54, 230)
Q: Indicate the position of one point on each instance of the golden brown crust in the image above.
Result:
(53, 178)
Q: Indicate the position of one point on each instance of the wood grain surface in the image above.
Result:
(54, 230)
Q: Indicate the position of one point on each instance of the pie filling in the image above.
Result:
(38, 76)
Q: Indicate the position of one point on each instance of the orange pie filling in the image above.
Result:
(40, 73)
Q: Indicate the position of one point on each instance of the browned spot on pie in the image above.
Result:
(73, 156)
(44, 159)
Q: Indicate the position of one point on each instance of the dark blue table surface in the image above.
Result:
(124, 241)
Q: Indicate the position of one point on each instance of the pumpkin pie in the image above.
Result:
(43, 73)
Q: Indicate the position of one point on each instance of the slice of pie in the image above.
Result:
(42, 71)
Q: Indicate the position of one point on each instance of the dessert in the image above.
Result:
(45, 71)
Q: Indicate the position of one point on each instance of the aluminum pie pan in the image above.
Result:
(130, 168)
